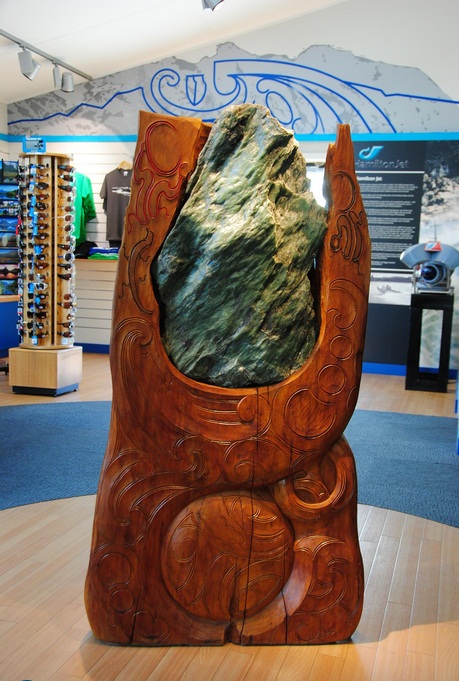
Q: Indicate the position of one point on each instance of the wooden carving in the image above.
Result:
(228, 514)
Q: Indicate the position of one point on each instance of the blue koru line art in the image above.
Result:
(302, 98)
(305, 99)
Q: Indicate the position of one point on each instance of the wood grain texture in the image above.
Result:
(229, 514)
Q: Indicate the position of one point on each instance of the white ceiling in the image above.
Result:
(100, 37)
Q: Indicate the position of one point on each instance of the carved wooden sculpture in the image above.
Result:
(228, 514)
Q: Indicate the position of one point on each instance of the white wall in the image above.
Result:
(3, 118)
(416, 33)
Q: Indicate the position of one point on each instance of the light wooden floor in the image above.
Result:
(409, 630)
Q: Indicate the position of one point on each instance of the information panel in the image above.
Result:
(390, 175)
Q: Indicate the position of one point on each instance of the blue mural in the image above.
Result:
(321, 88)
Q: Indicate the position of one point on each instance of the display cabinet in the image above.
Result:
(430, 380)
(10, 209)
(47, 306)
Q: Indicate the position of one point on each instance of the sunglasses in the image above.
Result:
(69, 244)
(40, 237)
(33, 167)
(35, 217)
(38, 185)
(39, 315)
(66, 187)
(37, 306)
(39, 248)
(40, 205)
(38, 325)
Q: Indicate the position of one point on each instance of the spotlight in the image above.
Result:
(210, 4)
(67, 82)
(29, 67)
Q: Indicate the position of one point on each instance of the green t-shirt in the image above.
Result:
(85, 208)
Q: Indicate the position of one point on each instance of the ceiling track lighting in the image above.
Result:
(64, 82)
(67, 82)
(30, 67)
(210, 4)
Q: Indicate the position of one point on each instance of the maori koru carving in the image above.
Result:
(228, 514)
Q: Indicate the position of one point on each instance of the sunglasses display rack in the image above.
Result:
(46, 246)
(47, 306)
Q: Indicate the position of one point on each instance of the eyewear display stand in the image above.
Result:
(416, 378)
(46, 361)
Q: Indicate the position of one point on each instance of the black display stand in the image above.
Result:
(431, 381)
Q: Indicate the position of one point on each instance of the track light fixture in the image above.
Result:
(67, 82)
(29, 67)
(210, 4)
(64, 82)
(56, 76)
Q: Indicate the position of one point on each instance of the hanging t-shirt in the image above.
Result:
(115, 193)
(85, 208)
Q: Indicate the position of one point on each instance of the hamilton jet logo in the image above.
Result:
(370, 153)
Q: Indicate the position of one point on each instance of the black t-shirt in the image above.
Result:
(116, 192)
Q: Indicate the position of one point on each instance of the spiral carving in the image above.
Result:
(246, 546)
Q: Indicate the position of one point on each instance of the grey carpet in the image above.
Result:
(404, 462)
(407, 463)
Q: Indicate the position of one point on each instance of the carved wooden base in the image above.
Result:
(228, 514)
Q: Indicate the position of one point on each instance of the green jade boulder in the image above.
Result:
(232, 275)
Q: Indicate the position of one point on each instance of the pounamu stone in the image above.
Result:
(232, 275)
